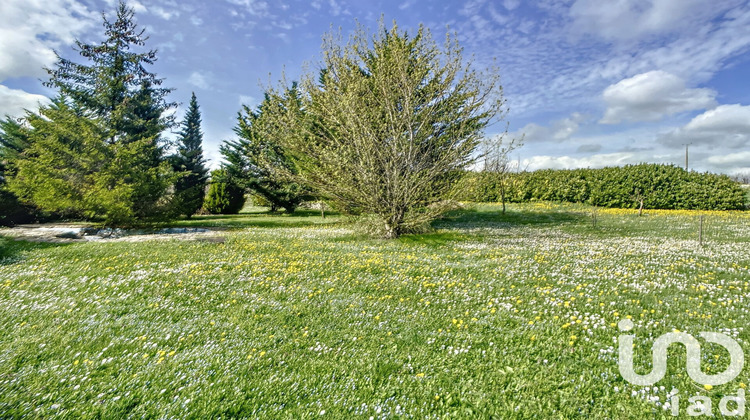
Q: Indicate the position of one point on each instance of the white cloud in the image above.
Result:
(198, 80)
(727, 126)
(31, 29)
(511, 4)
(726, 118)
(740, 158)
(137, 6)
(164, 13)
(405, 5)
(496, 16)
(246, 100)
(254, 7)
(559, 131)
(549, 70)
(13, 102)
(625, 20)
(652, 96)
(569, 162)
(336, 8)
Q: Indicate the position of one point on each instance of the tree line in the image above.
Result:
(382, 130)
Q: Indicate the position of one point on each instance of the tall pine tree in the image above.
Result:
(122, 107)
(116, 85)
(191, 187)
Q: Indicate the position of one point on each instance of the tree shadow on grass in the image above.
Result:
(433, 238)
(455, 226)
(11, 250)
(266, 219)
(491, 218)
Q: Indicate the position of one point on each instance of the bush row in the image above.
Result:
(657, 186)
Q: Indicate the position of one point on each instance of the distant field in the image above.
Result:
(300, 317)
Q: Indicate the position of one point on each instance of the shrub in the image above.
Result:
(224, 195)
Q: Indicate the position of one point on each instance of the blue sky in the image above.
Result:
(588, 82)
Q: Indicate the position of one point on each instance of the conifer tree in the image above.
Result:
(259, 162)
(188, 161)
(116, 168)
(115, 84)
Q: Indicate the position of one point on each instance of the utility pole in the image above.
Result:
(687, 145)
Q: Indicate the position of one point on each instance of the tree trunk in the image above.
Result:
(502, 195)
(393, 226)
(391, 232)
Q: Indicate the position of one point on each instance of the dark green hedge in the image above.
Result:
(659, 186)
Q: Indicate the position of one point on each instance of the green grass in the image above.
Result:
(297, 317)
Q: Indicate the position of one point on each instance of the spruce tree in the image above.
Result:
(116, 85)
(188, 161)
(121, 107)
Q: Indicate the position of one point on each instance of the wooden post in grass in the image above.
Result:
(700, 232)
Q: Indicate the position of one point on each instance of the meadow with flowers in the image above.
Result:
(297, 316)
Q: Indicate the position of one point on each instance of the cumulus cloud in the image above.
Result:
(13, 102)
(727, 126)
(31, 29)
(544, 71)
(652, 96)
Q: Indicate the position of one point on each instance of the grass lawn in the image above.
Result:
(299, 317)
